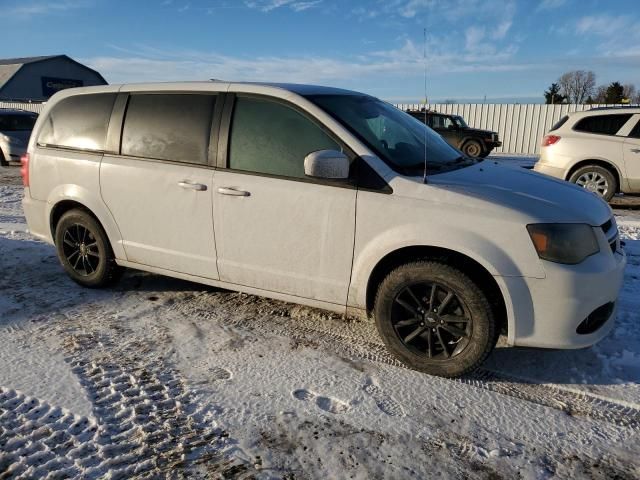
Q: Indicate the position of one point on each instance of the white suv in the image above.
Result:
(597, 149)
(320, 196)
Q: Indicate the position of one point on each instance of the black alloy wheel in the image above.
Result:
(431, 320)
(81, 249)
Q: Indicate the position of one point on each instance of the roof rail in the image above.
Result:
(619, 107)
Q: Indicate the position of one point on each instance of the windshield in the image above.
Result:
(459, 121)
(16, 123)
(395, 136)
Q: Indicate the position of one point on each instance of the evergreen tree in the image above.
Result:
(552, 95)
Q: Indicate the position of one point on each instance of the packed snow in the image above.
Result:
(158, 377)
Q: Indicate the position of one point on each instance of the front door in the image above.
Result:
(160, 189)
(276, 229)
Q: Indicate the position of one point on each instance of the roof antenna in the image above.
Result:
(424, 58)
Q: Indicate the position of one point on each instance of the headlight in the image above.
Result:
(568, 243)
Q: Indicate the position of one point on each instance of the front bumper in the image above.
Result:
(547, 312)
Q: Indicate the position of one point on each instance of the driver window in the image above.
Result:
(388, 133)
(269, 137)
(447, 122)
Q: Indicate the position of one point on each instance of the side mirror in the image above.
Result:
(329, 164)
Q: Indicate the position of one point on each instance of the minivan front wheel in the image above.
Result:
(84, 250)
(596, 179)
(472, 148)
(435, 319)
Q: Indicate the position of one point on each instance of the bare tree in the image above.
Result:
(630, 93)
(577, 86)
(600, 94)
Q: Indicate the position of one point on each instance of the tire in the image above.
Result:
(3, 160)
(596, 179)
(413, 284)
(84, 250)
(472, 148)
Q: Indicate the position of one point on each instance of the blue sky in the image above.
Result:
(506, 50)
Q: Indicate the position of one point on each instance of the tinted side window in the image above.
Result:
(17, 123)
(559, 123)
(268, 137)
(79, 122)
(168, 127)
(635, 133)
(603, 124)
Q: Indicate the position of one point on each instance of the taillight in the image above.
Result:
(24, 169)
(550, 140)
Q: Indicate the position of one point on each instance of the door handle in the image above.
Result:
(233, 192)
(635, 150)
(192, 186)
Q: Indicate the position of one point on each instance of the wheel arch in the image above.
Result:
(476, 271)
(601, 163)
(63, 204)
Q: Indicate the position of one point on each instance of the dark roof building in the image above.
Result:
(37, 78)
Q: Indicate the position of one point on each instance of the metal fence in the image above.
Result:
(520, 126)
(30, 106)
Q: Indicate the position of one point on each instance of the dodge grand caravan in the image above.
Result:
(321, 197)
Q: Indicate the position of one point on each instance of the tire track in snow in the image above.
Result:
(353, 338)
(146, 423)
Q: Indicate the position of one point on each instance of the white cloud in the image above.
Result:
(269, 5)
(603, 25)
(28, 9)
(146, 64)
(551, 4)
(501, 30)
(473, 36)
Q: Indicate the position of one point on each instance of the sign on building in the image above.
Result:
(51, 85)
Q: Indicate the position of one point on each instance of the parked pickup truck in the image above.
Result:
(474, 142)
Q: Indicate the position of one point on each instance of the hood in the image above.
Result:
(537, 196)
(478, 131)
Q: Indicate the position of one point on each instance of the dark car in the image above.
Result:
(15, 130)
(474, 142)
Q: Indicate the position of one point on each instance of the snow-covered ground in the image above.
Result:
(160, 377)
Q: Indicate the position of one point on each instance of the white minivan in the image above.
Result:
(320, 196)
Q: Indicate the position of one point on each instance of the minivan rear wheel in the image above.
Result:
(84, 250)
(435, 319)
(596, 179)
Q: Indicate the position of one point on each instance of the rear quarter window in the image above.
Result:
(635, 133)
(174, 127)
(559, 123)
(602, 124)
(79, 122)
